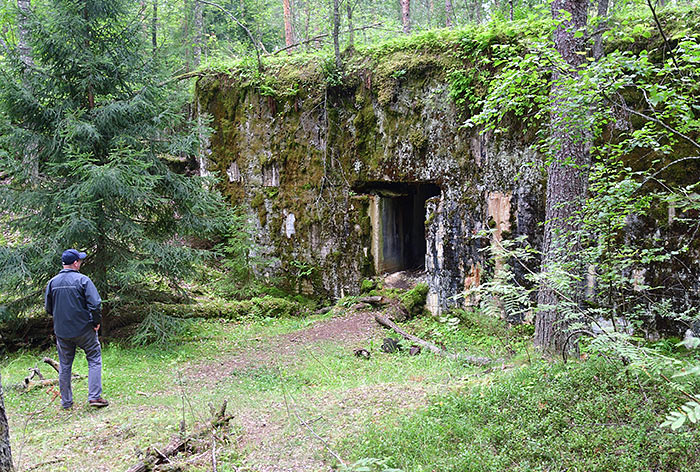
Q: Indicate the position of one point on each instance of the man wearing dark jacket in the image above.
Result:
(72, 299)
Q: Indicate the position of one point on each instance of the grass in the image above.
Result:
(152, 388)
(420, 413)
(549, 417)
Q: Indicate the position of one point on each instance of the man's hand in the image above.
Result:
(96, 328)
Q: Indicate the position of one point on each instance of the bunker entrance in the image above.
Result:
(397, 212)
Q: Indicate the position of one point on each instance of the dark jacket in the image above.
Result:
(72, 299)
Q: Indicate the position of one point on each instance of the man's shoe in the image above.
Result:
(67, 408)
(99, 403)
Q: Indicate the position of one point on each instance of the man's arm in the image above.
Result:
(48, 299)
(94, 302)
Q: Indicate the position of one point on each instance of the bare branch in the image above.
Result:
(655, 120)
(663, 35)
(677, 161)
(256, 45)
(325, 35)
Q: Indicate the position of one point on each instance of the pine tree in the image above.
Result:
(567, 180)
(103, 126)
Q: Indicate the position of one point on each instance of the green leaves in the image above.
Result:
(368, 464)
(690, 411)
(100, 129)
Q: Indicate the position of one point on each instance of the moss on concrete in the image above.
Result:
(397, 115)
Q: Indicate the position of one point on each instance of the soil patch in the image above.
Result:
(349, 329)
(284, 434)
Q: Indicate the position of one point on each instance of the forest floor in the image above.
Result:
(299, 397)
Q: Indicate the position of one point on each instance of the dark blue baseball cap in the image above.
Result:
(71, 255)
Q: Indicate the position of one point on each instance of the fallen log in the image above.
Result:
(57, 368)
(387, 323)
(156, 456)
(394, 308)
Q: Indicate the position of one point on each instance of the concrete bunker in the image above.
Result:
(397, 212)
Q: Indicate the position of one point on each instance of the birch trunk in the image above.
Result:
(25, 51)
(336, 34)
(198, 32)
(351, 31)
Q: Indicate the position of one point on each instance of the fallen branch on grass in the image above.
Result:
(155, 456)
(29, 383)
(387, 323)
(52, 363)
(42, 464)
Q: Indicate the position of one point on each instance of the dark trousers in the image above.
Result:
(89, 343)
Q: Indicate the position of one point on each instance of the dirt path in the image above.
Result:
(293, 434)
(348, 330)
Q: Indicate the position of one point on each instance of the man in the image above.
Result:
(72, 299)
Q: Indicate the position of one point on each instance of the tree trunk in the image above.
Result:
(336, 34)
(406, 15)
(288, 29)
(5, 452)
(198, 32)
(448, 13)
(351, 31)
(154, 29)
(567, 178)
(25, 51)
(88, 36)
(186, 35)
(598, 37)
(511, 5)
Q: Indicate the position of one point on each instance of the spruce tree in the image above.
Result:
(93, 109)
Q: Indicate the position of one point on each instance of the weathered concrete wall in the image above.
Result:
(299, 168)
(312, 168)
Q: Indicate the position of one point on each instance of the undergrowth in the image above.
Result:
(584, 416)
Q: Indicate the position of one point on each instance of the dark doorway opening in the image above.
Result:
(398, 223)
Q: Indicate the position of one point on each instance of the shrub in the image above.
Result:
(368, 285)
(159, 328)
